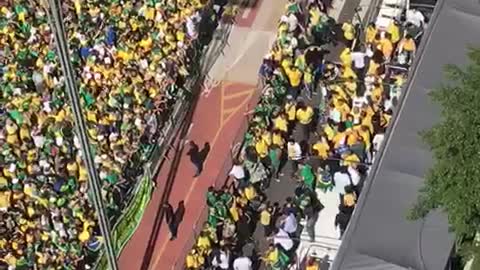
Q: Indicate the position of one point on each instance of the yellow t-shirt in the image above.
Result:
(387, 47)
(5, 199)
(280, 124)
(203, 242)
(294, 76)
(322, 149)
(329, 131)
(265, 218)
(291, 110)
(346, 57)
(305, 116)
(351, 159)
(408, 45)
(262, 148)
(267, 137)
(348, 31)
(191, 261)
(277, 139)
(349, 73)
(394, 31)
(250, 193)
(372, 68)
(84, 236)
(370, 34)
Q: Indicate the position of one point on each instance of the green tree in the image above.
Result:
(453, 183)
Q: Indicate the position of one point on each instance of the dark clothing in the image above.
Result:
(195, 158)
(170, 220)
(310, 226)
(194, 153)
(341, 220)
(168, 214)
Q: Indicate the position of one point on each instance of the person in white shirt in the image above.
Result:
(237, 172)
(341, 179)
(377, 143)
(415, 17)
(191, 25)
(294, 154)
(242, 263)
(222, 261)
(291, 20)
(354, 175)
(290, 224)
(358, 59)
(283, 238)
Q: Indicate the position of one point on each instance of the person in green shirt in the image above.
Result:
(275, 155)
(211, 196)
(308, 177)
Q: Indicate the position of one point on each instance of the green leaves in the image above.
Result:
(453, 183)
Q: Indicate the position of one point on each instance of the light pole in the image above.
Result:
(56, 21)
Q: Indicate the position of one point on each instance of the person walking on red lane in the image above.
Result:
(170, 220)
(173, 219)
(195, 158)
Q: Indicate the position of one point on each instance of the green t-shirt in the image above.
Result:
(308, 177)
(274, 158)
(211, 198)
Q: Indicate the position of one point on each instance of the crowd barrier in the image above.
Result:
(153, 156)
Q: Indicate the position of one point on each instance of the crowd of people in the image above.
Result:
(130, 58)
(326, 146)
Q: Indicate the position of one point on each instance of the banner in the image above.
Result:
(129, 220)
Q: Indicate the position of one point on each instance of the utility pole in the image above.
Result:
(57, 24)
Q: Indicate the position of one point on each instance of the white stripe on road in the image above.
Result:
(189, 128)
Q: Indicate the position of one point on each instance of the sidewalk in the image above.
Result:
(218, 119)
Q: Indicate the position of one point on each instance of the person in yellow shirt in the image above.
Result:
(346, 57)
(295, 78)
(291, 111)
(5, 199)
(194, 260)
(394, 31)
(370, 33)
(267, 137)
(261, 147)
(351, 86)
(304, 116)
(266, 221)
(350, 159)
(203, 243)
(348, 33)
(348, 72)
(280, 123)
(322, 147)
(407, 45)
(377, 93)
(340, 138)
(386, 46)
(277, 138)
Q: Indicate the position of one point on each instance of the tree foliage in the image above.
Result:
(453, 183)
